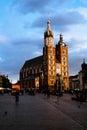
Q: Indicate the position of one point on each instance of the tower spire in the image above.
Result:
(48, 32)
(61, 41)
(48, 25)
(83, 60)
(61, 38)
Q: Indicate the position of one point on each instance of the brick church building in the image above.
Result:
(50, 70)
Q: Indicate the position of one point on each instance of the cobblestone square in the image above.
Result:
(42, 113)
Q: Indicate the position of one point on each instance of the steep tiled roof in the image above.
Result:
(33, 62)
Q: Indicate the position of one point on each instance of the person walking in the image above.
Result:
(17, 97)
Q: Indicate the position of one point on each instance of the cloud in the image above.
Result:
(28, 43)
(29, 6)
(4, 39)
(69, 18)
(22, 32)
(1, 59)
(37, 53)
(59, 22)
(11, 66)
(75, 67)
(76, 44)
(82, 11)
(84, 1)
(77, 52)
(38, 6)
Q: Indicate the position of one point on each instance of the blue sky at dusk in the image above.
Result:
(22, 26)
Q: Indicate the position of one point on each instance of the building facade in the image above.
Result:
(74, 82)
(5, 84)
(50, 70)
(79, 81)
(83, 76)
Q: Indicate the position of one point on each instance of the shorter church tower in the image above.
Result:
(62, 61)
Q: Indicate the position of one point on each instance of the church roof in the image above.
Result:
(33, 62)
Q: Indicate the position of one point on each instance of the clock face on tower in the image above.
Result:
(49, 41)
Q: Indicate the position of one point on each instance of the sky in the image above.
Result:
(22, 26)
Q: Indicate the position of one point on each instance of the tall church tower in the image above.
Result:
(62, 57)
(49, 64)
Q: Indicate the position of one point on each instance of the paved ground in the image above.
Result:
(74, 109)
(41, 113)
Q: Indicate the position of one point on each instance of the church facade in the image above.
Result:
(50, 70)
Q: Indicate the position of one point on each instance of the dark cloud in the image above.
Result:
(29, 6)
(15, 55)
(38, 23)
(13, 67)
(76, 44)
(27, 48)
(62, 1)
(22, 41)
(73, 43)
(69, 18)
(60, 22)
(76, 58)
(28, 42)
(75, 63)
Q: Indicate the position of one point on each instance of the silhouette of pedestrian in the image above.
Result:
(17, 97)
(48, 93)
